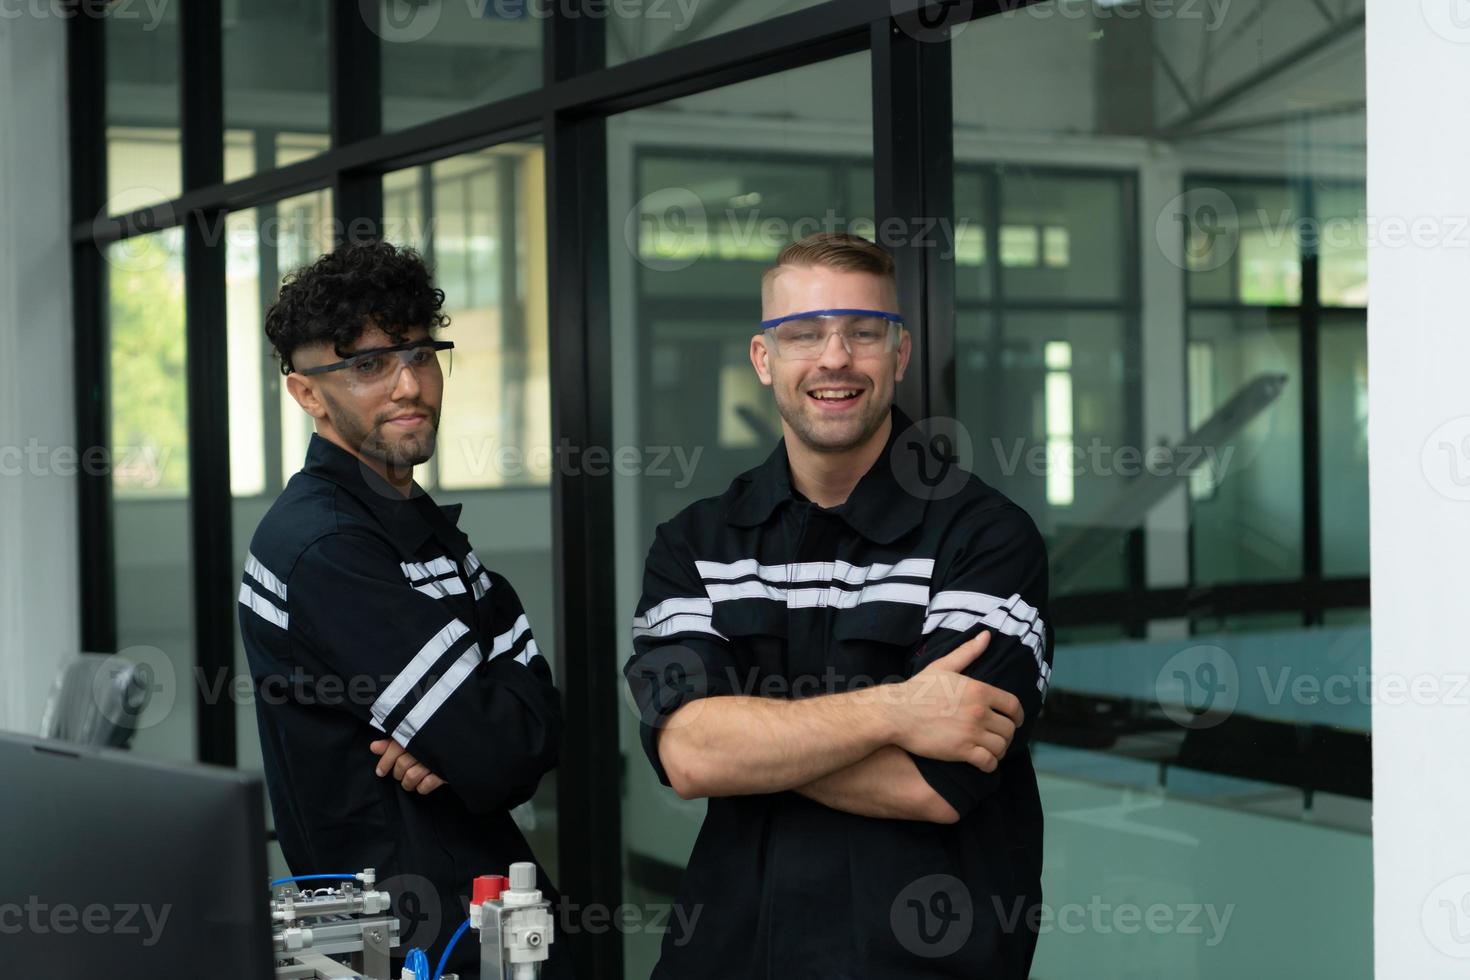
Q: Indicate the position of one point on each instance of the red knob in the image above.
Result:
(487, 888)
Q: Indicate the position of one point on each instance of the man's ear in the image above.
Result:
(306, 395)
(760, 358)
(905, 349)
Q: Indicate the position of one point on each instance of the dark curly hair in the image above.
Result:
(361, 284)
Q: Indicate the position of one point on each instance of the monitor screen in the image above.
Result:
(112, 865)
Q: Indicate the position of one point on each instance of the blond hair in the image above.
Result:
(834, 250)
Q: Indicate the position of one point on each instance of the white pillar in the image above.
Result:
(1419, 482)
(38, 509)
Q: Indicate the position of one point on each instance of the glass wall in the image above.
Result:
(277, 110)
(1165, 358)
(443, 57)
(149, 455)
(141, 45)
(703, 193)
(1159, 251)
(479, 220)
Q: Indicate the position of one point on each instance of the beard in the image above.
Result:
(401, 452)
(832, 435)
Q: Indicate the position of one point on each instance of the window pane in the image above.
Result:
(1048, 419)
(275, 84)
(444, 57)
(1059, 235)
(479, 220)
(142, 52)
(644, 27)
(150, 480)
(293, 233)
(1191, 276)
(1343, 377)
(1247, 507)
(1344, 244)
(1244, 243)
(483, 236)
(704, 192)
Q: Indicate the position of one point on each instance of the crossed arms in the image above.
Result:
(848, 751)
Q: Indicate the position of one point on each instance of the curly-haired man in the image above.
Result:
(403, 705)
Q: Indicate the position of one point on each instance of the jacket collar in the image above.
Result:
(878, 508)
(408, 521)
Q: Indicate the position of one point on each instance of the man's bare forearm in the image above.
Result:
(734, 745)
(886, 785)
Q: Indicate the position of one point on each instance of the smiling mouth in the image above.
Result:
(835, 397)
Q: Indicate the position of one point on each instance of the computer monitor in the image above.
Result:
(112, 865)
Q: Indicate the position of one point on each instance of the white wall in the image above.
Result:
(38, 538)
(1419, 458)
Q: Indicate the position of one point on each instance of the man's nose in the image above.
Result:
(407, 385)
(835, 354)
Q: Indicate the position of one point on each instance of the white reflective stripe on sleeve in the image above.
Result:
(264, 575)
(508, 639)
(814, 571)
(441, 588)
(446, 685)
(672, 607)
(427, 656)
(833, 597)
(263, 607)
(526, 655)
(961, 611)
(681, 623)
(430, 569)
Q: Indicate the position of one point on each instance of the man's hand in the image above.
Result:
(411, 774)
(945, 715)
